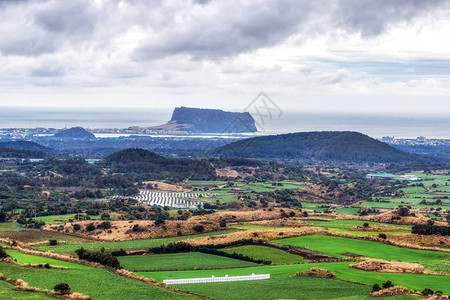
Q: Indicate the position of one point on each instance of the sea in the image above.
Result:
(375, 125)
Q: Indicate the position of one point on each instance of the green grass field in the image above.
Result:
(10, 226)
(135, 244)
(281, 288)
(7, 293)
(412, 190)
(180, 261)
(61, 218)
(341, 269)
(347, 224)
(24, 258)
(336, 246)
(99, 284)
(276, 256)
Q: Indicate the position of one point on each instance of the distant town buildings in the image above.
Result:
(421, 140)
(391, 176)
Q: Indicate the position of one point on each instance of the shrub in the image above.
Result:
(159, 221)
(3, 253)
(427, 292)
(316, 272)
(120, 252)
(387, 284)
(105, 216)
(376, 287)
(136, 227)
(99, 257)
(76, 227)
(198, 228)
(403, 211)
(62, 288)
(366, 225)
(53, 242)
(90, 227)
(382, 236)
(105, 225)
(47, 266)
(223, 223)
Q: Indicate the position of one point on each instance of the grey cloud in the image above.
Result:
(371, 17)
(229, 30)
(67, 17)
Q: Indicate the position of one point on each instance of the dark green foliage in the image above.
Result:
(99, 257)
(382, 236)
(105, 225)
(53, 242)
(62, 288)
(376, 287)
(180, 247)
(3, 253)
(430, 229)
(344, 146)
(2, 216)
(198, 228)
(403, 211)
(76, 227)
(223, 223)
(157, 167)
(387, 284)
(136, 227)
(90, 227)
(427, 292)
(120, 252)
(233, 255)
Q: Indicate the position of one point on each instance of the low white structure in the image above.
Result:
(175, 200)
(217, 279)
(408, 177)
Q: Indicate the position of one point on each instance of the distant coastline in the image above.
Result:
(94, 118)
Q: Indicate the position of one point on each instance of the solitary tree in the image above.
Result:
(62, 288)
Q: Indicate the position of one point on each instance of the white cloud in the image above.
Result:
(217, 53)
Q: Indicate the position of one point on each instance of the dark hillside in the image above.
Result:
(151, 166)
(342, 146)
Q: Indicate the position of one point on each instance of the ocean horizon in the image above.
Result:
(374, 125)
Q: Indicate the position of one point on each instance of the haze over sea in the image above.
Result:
(374, 125)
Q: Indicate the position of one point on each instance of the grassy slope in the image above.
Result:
(413, 281)
(6, 292)
(97, 283)
(335, 246)
(180, 261)
(277, 256)
(281, 288)
(23, 258)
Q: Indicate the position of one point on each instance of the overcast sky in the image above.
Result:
(364, 55)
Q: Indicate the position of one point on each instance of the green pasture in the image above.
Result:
(336, 246)
(341, 269)
(413, 190)
(347, 224)
(61, 218)
(281, 288)
(180, 261)
(24, 258)
(276, 256)
(7, 293)
(10, 226)
(135, 244)
(99, 284)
